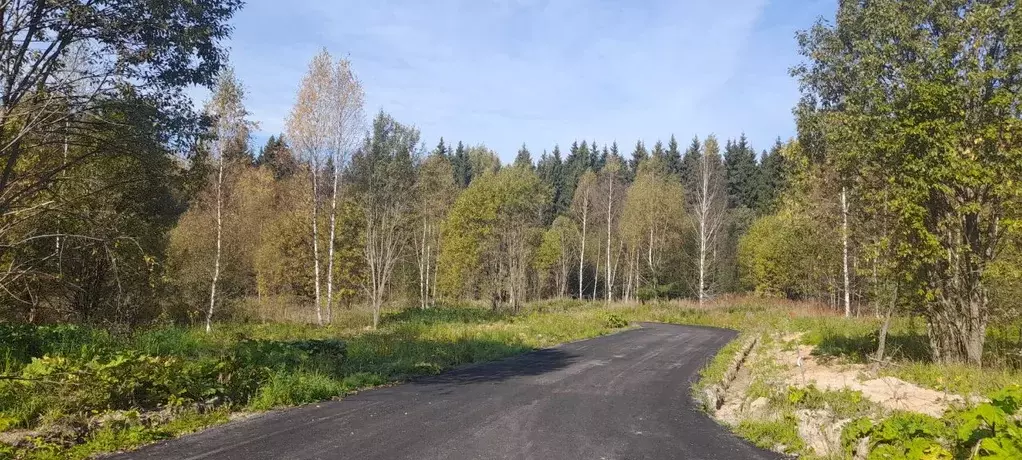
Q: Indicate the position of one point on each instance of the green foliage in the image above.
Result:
(922, 125)
(844, 403)
(490, 234)
(990, 430)
(993, 430)
(779, 434)
(713, 373)
(904, 435)
(76, 374)
(742, 174)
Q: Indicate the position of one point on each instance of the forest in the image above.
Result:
(124, 207)
(146, 237)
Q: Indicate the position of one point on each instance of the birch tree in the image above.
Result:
(230, 131)
(383, 177)
(709, 205)
(310, 129)
(435, 191)
(345, 100)
(582, 205)
(612, 185)
(844, 252)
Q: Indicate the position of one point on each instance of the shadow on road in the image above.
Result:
(529, 364)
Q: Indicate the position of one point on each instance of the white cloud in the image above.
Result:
(538, 71)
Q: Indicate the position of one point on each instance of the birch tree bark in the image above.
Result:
(844, 244)
(581, 204)
(345, 102)
(324, 125)
(231, 132)
(709, 208)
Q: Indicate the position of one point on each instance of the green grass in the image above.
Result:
(713, 373)
(780, 434)
(85, 372)
(201, 378)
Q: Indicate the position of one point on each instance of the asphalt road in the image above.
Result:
(621, 396)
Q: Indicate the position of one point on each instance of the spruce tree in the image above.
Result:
(524, 158)
(278, 157)
(674, 157)
(689, 163)
(562, 201)
(596, 159)
(639, 155)
(585, 160)
(441, 149)
(742, 174)
(461, 166)
(658, 157)
(772, 178)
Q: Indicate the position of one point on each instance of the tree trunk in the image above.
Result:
(882, 339)
(596, 274)
(315, 241)
(582, 252)
(330, 249)
(610, 203)
(844, 243)
(429, 253)
(631, 274)
(219, 239)
(423, 280)
(702, 261)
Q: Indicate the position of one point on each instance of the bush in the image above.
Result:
(988, 431)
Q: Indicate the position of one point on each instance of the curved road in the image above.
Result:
(621, 396)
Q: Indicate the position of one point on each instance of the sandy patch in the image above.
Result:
(890, 392)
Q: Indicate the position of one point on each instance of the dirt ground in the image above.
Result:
(782, 362)
(890, 392)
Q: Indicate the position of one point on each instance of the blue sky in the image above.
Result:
(539, 71)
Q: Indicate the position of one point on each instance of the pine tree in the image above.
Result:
(689, 162)
(562, 199)
(277, 156)
(639, 155)
(461, 166)
(441, 149)
(658, 153)
(742, 174)
(674, 157)
(772, 178)
(524, 158)
(596, 160)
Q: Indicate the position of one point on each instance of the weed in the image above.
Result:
(780, 434)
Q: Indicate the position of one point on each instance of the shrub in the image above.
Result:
(993, 430)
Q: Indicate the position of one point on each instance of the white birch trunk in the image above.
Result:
(610, 204)
(330, 249)
(219, 239)
(582, 252)
(596, 274)
(844, 242)
(315, 241)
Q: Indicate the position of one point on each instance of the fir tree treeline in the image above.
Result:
(122, 205)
